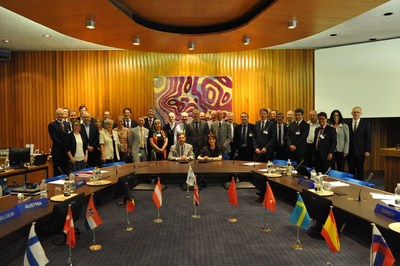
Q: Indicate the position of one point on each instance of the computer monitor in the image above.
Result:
(19, 156)
(318, 208)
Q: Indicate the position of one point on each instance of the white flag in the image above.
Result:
(34, 254)
(190, 176)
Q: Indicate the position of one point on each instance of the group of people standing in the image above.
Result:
(321, 143)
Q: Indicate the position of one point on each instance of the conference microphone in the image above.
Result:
(255, 159)
(235, 155)
(359, 193)
(302, 161)
(24, 189)
(59, 169)
(116, 167)
(327, 171)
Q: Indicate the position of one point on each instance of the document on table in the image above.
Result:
(338, 184)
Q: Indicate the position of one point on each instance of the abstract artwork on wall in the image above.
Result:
(186, 93)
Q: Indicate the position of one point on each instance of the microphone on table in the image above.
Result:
(359, 193)
(302, 161)
(26, 191)
(59, 169)
(116, 166)
(255, 159)
(235, 155)
(327, 171)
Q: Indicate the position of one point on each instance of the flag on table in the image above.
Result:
(190, 179)
(34, 254)
(330, 233)
(232, 197)
(130, 201)
(196, 196)
(380, 251)
(300, 215)
(269, 199)
(157, 194)
(69, 229)
(92, 216)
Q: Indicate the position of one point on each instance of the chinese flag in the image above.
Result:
(232, 197)
(269, 199)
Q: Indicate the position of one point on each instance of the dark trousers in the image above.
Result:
(309, 156)
(338, 161)
(245, 154)
(281, 153)
(356, 165)
(321, 164)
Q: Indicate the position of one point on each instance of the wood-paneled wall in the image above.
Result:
(34, 84)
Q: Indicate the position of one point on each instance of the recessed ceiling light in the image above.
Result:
(191, 45)
(6, 41)
(333, 34)
(388, 14)
(90, 24)
(292, 24)
(246, 40)
(136, 40)
(47, 35)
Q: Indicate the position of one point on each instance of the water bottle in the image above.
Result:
(269, 167)
(71, 179)
(318, 182)
(313, 174)
(289, 167)
(7, 164)
(43, 189)
(397, 193)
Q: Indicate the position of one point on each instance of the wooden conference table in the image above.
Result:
(359, 213)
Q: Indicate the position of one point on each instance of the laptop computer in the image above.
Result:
(40, 159)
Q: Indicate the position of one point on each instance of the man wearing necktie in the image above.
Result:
(91, 133)
(281, 131)
(297, 136)
(223, 133)
(232, 125)
(137, 141)
(325, 144)
(128, 121)
(196, 133)
(243, 139)
(264, 138)
(181, 151)
(58, 134)
(169, 130)
(360, 143)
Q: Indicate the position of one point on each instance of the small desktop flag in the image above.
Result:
(69, 229)
(130, 201)
(92, 216)
(190, 179)
(232, 197)
(300, 215)
(380, 251)
(269, 199)
(34, 254)
(196, 196)
(157, 194)
(330, 233)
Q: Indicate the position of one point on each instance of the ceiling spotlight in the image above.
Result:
(292, 24)
(46, 35)
(90, 24)
(246, 40)
(6, 41)
(191, 45)
(136, 40)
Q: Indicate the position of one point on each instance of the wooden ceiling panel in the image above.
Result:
(114, 28)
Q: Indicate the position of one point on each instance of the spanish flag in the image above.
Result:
(330, 233)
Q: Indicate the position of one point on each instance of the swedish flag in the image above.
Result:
(300, 215)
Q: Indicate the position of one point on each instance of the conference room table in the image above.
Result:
(358, 213)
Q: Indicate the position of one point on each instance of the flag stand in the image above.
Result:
(128, 227)
(232, 219)
(195, 215)
(69, 249)
(297, 245)
(330, 258)
(187, 192)
(94, 246)
(158, 219)
(266, 227)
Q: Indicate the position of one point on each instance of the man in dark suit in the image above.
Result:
(325, 144)
(360, 143)
(229, 119)
(128, 121)
(58, 134)
(197, 133)
(297, 136)
(280, 148)
(91, 133)
(264, 138)
(169, 130)
(82, 109)
(243, 139)
(149, 120)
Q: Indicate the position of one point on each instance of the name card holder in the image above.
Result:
(305, 182)
(387, 211)
(80, 183)
(32, 205)
(9, 215)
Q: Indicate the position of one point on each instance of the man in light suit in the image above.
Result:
(360, 143)
(325, 144)
(181, 151)
(169, 130)
(223, 133)
(137, 141)
(197, 132)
